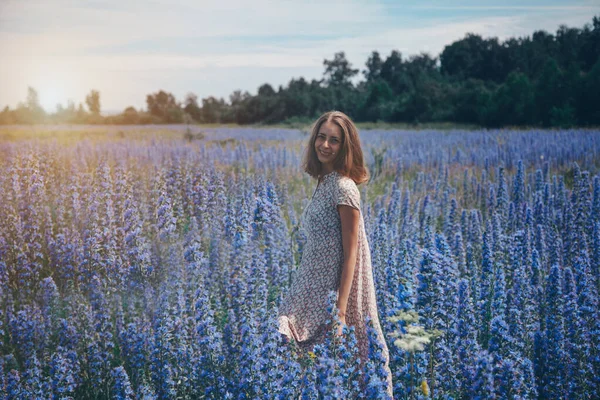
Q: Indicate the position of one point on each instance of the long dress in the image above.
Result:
(303, 312)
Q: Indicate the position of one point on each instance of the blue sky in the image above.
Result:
(127, 49)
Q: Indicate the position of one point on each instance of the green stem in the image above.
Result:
(431, 369)
(412, 373)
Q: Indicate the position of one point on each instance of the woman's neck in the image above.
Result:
(326, 169)
(323, 174)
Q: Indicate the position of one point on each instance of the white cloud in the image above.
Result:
(50, 44)
(70, 26)
(508, 7)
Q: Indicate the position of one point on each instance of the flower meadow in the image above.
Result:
(153, 268)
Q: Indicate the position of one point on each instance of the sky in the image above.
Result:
(127, 49)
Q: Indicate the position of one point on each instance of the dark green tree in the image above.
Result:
(339, 71)
(33, 111)
(130, 115)
(213, 109)
(539, 49)
(513, 102)
(589, 51)
(262, 106)
(471, 100)
(392, 71)
(464, 58)
(191, 107)
(164, 106)
(568, 46)
(549, 93)
(237, 111)
(589, 97)
(93, 102)
(379, 102)
(374, 65)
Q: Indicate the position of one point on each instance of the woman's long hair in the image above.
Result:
(349, 161)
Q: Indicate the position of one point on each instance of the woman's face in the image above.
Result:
(328, 143)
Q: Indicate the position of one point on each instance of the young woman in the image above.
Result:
(336, 255)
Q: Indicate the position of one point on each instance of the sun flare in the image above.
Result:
(56, 82)
(51, 95)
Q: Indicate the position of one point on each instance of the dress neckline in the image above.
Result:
(320, 180)
(323, 177)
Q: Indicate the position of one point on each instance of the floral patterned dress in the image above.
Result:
(303, 312)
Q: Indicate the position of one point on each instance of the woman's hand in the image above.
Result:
(350, 218)
(341, 326)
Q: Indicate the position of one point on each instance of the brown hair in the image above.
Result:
(349, 160)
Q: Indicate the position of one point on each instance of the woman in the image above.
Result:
(336, 256)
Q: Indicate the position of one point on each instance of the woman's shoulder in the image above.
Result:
(346, 184)
(343, 180)
(346, 191)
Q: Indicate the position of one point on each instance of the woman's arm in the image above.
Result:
(349, 217)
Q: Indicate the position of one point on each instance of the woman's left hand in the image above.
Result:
(341, 326)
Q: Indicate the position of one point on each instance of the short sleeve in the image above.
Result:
(348, 194)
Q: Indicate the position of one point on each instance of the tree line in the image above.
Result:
(549, 80)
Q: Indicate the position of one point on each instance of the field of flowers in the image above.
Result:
(150, 265)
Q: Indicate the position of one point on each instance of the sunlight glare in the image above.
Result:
(56, 82)
(51, 95)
